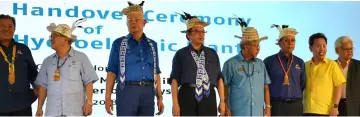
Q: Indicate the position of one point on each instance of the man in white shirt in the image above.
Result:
(350, 99)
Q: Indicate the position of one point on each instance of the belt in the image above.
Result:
(141, 83)
(289, 100)
(189, 85)
(343, 100)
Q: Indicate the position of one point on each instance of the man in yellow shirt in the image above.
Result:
(324, 80)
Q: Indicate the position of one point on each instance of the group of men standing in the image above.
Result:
(281, 85)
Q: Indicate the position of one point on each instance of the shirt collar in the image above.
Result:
(241, 57)
(325, 60)
(12, 42)
(282, 55)
(193, 49)
(143, 37)
(347, 62)
(70, 54)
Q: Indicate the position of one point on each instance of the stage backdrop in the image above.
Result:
(106, 23)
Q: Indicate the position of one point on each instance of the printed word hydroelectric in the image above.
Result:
(105, 44)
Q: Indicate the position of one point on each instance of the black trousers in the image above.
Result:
(313, 114)
(342, 108)
(190, 107)
(286, 107)
(24, 112)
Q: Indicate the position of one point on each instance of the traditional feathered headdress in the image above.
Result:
(65, 29)
(284, 31)
(191, 21)
(248, 33)
(133, 8)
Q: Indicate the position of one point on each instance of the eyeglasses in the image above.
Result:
(52, 36)
(348, 49)
(255, 45)
(134, 19)
(287, 40)
(198, 32)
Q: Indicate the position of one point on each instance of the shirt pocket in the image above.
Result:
(211, 67)
(150, 60)
(75, 71)
(259, 77)
(52, 85)
(295, 74)
(74, 84)
(132, 57)
(20, 58)
(239, 80)
(258, 71)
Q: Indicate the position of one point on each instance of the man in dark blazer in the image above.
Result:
(17, 72)
(350, 100)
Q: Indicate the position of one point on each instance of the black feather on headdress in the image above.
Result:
(274, 25)
(241, 22)
(131, 4)
(277, 26)
(142, 3)
(77, 23)
(186, 16)
(285, 26)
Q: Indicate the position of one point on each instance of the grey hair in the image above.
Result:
(341, 40)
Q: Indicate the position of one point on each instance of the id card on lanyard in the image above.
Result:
(57, 71)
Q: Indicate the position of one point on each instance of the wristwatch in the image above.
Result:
(222, 100)
(336, 105)
(90, 104)
(268, 106)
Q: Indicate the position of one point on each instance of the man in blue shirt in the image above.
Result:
(17, 71)
(66, 77)
(196, 69)
(287, 73)
(134, 63)
(246, 79)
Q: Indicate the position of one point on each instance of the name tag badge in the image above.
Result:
(57, 75)
(297, 66)
(73, 62)
(240, 69)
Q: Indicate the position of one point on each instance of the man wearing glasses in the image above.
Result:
(246, 79)
(134, 62)
(66, 77)
(350, 99)
(196, 69)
